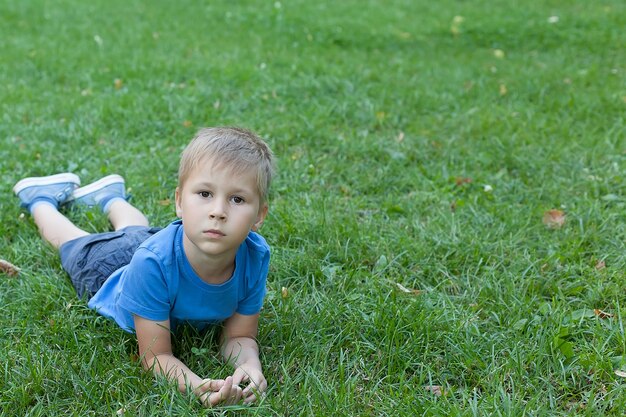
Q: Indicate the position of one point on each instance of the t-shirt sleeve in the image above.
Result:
(255, 281)
(145, 289)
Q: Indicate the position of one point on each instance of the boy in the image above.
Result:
(207, 267)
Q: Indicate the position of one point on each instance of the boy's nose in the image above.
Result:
(217, 211)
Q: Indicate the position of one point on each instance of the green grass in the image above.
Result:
(377, 112)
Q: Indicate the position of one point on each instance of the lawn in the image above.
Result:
(420, 145)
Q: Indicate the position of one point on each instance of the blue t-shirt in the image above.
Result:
(159, 284)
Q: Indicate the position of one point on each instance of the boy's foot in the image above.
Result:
(53, 189)
(102, 192)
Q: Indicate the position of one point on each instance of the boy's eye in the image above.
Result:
(204, 194)
(238, 200)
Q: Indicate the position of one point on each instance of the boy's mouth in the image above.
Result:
(214, 233)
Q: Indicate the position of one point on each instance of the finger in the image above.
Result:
(230, 393)
(210, 385)
(223, 393)
(261, 386)
(253, 397)
(225, 390)
(236, 394)
(252, 392)
(239, 376)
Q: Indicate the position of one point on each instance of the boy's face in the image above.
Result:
(219, 208)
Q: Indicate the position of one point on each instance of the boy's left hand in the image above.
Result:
(256, 382)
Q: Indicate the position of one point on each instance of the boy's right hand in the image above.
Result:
(218, 391)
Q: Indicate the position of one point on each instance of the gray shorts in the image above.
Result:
(90, 260)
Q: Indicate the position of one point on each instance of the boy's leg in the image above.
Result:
(53, 226)
(42, 196)
(122, 214)
(109, 193)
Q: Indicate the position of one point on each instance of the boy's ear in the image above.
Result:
(179, 209)
(260, 218)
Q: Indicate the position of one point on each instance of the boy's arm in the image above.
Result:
(239, 347)
(155, 351)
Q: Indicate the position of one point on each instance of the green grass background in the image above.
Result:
(389, 119)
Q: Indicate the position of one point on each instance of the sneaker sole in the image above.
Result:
(95, 186)
(52, 179)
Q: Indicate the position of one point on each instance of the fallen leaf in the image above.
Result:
(601, 314)
(118, 83)
(8, 268)
(165, 202)
(503, 90)
(620, 373)
(462, 180)
(600, 265)
(435, 389)
(408, 291)
(284, 292)
(187, 123)
(455, 27)
(498, 53)
(554, 219)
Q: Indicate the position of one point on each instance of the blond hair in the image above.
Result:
(232, 148)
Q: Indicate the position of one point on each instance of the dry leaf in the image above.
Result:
(8, 268)
(187, 123)
(284, 292)
(165, 202)
(435, 389)
(462, 180)
(600, 265)
(620, 373)
(118, 83)
(554, 219)
(503, 90)
(406, 290)
(601, 314)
